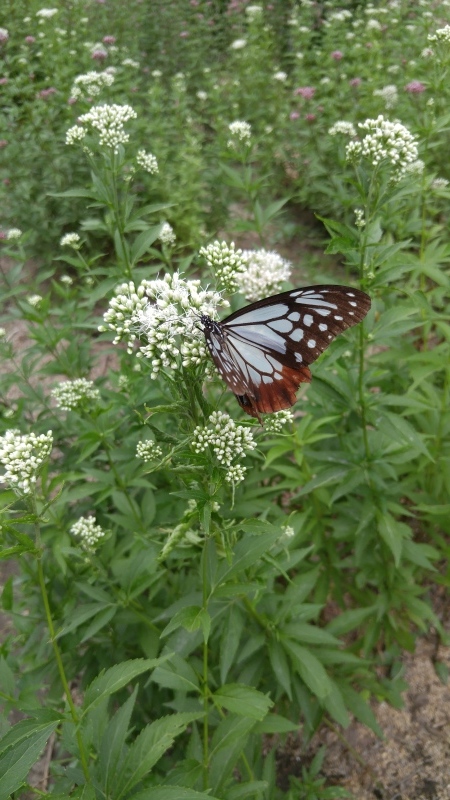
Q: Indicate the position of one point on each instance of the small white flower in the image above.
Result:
(86, 529)
(280, 76)
(70, 240)
(66, 280)
(46, 13)
(265, 274)
(276, 422)
(253, 11)
(238, 44)
(202, 95)
(148, 451)
(128, 62)
(157, 73)
(346, 128)
(70, 395)
(4, 35)
(75, 134)
(167, 234)
(91, 83)
(415, 167)
(288, 532)
(389, 95)
(385, 141)
(14, 233)
(2, 333)
(442, 35)
(147, 161)
(225, 262)
(240, 130)
(439, 183)
(109, 120)
(22, 456)
(228, 441)
(34, 299)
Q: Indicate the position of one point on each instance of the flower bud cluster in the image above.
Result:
(225, 262)
(240, 132)
(70, 240)
(148, 451)
(441, 36)
(228, 441)
(389, 95)
(89, 533)
(91, 84)
(14, 233)
(147, 161)
(385, 141)
(109, 121)
(73, 394)
(276, 422)
(264, 275)
(123, 310)
(75, 134)
(347, 128)
(22, 456)
(167, 234)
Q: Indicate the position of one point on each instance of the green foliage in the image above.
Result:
(168, 615)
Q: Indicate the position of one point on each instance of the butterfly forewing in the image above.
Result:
(263, 351)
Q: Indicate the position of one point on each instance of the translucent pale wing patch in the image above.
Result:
(263, 351)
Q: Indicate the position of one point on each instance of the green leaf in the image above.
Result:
(113, 743)
(172, 793)
(310, 669)
(20, 748)
(228, 742)
(229, 643)
(349, 620)
(177, 674)
(360, 709)
(142, 242)
(116, 678)
(243, 700)
(98, 623)
(188, 618)
(280, 665)
(248, 552)
(147, 749)
(82, 614)
(335, 706)
(393, 533)
(308, 634)
(274, 723)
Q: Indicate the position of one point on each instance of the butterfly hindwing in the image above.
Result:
(263, 351)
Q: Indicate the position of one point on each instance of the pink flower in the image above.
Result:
(44, 93)
(2, 235)
(99, 55)
(337, 55)
(355, 82)
(415, 87)
(3, 143)
(307, 92)
(71, 101)
(195, 2)
(184, 34)
(294, 115)
(30, 39)
(310, 117)
(109, 40)
(4, 35)
(3, 81)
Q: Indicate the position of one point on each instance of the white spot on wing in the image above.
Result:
(295, 316)
(260, 314)
(338, 318)
(323, 327)
(282, 325)
(298, 357)
(308, 320)
(297, 335)
(311, 342)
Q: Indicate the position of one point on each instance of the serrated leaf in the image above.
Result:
(16, 760)
(113, 742)
(142, 242)
(116, 678)
(172, 793)
(229, 643)
(393, 532)
(243, 701)
(310, 669)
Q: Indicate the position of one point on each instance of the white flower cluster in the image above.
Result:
(228, 441)
(129, 62)
(276, 422)
(337, 16)
(75, 134)
(46, 13)
(240, 132)
(147, 161)
(389, 95)
(70, 240)
(73, 394)
(163, 309)
(347, 128)
(174, 310)
(109, 120)
(385, 141)
(66, 280)
(167, 234)
(280, 76)
(439, 183)
(4, 35)
(86, 529)
(22, 456)
(14, 233)
(264, 275)
(253, 11)
(34, 300)
(2, 333)
(360, 222)
(238, 44)
(148, 451)
(442, 35)
(415, 167)
(91, 84)
(123, 311)
(225, 262)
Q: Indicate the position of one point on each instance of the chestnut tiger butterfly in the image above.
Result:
(263, 351)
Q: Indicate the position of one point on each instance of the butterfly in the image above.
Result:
(263, 351)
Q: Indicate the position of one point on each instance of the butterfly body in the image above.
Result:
(264, 350)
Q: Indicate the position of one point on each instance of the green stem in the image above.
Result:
(56, 650)
(205, 675)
